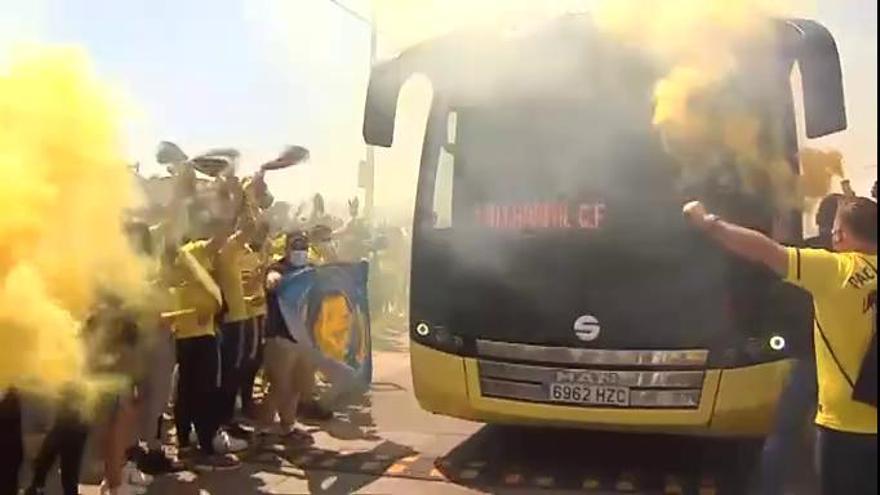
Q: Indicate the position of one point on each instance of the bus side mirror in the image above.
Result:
(819, 62)
(381, 106)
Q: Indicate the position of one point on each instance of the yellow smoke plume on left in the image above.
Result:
(64, 190)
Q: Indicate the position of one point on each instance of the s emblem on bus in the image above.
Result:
(587, 328)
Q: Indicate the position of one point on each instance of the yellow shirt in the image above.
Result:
(195, 293)
(321, 254)
(253, 276)
(277, 247)
(841, 285)
(230, 263)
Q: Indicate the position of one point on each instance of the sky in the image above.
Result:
(261, 74)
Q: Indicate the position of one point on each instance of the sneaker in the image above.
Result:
(134, 476)
(123, 489)
(225, 444)
(157, 462)
(216, 462)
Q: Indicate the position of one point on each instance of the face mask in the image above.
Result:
(298, 258)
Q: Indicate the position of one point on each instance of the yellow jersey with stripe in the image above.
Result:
(196, 295)
(844, 290)
(229, 274)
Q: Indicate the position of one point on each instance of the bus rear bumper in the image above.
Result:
(734, 402)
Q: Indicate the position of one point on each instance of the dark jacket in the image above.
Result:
(275, 324)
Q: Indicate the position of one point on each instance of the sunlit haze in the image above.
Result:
(261, 74)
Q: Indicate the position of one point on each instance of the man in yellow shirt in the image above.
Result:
(255, 262)
(236, 318)
(197, 300)
(843, 284)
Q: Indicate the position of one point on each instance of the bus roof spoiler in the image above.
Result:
(807, 42)
(819, 61)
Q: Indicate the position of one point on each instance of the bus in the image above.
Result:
(553, 279)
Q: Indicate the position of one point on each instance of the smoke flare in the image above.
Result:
(699, 42)
(63, 193)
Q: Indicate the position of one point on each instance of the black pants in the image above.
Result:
(847, 462)
(253, 360)
(232, 356)
(11, 446)
(67, 440)
(197, 390)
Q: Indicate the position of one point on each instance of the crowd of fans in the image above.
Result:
(217, 245)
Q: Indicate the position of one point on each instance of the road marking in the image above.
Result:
(430, 468)
(396, 469)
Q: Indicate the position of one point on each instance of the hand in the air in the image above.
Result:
(273, 278)
(695, 213)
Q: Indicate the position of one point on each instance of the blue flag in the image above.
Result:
(326, 308)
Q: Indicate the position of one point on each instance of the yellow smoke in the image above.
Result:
(694, 40)
(64, 188)
(817, 169)
(697, 40)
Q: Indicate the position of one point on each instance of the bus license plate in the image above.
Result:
(593, 395)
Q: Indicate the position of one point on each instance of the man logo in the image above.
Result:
(586, 328)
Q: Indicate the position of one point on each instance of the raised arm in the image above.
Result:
(746, 243)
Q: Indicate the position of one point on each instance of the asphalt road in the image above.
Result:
(389, 445)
